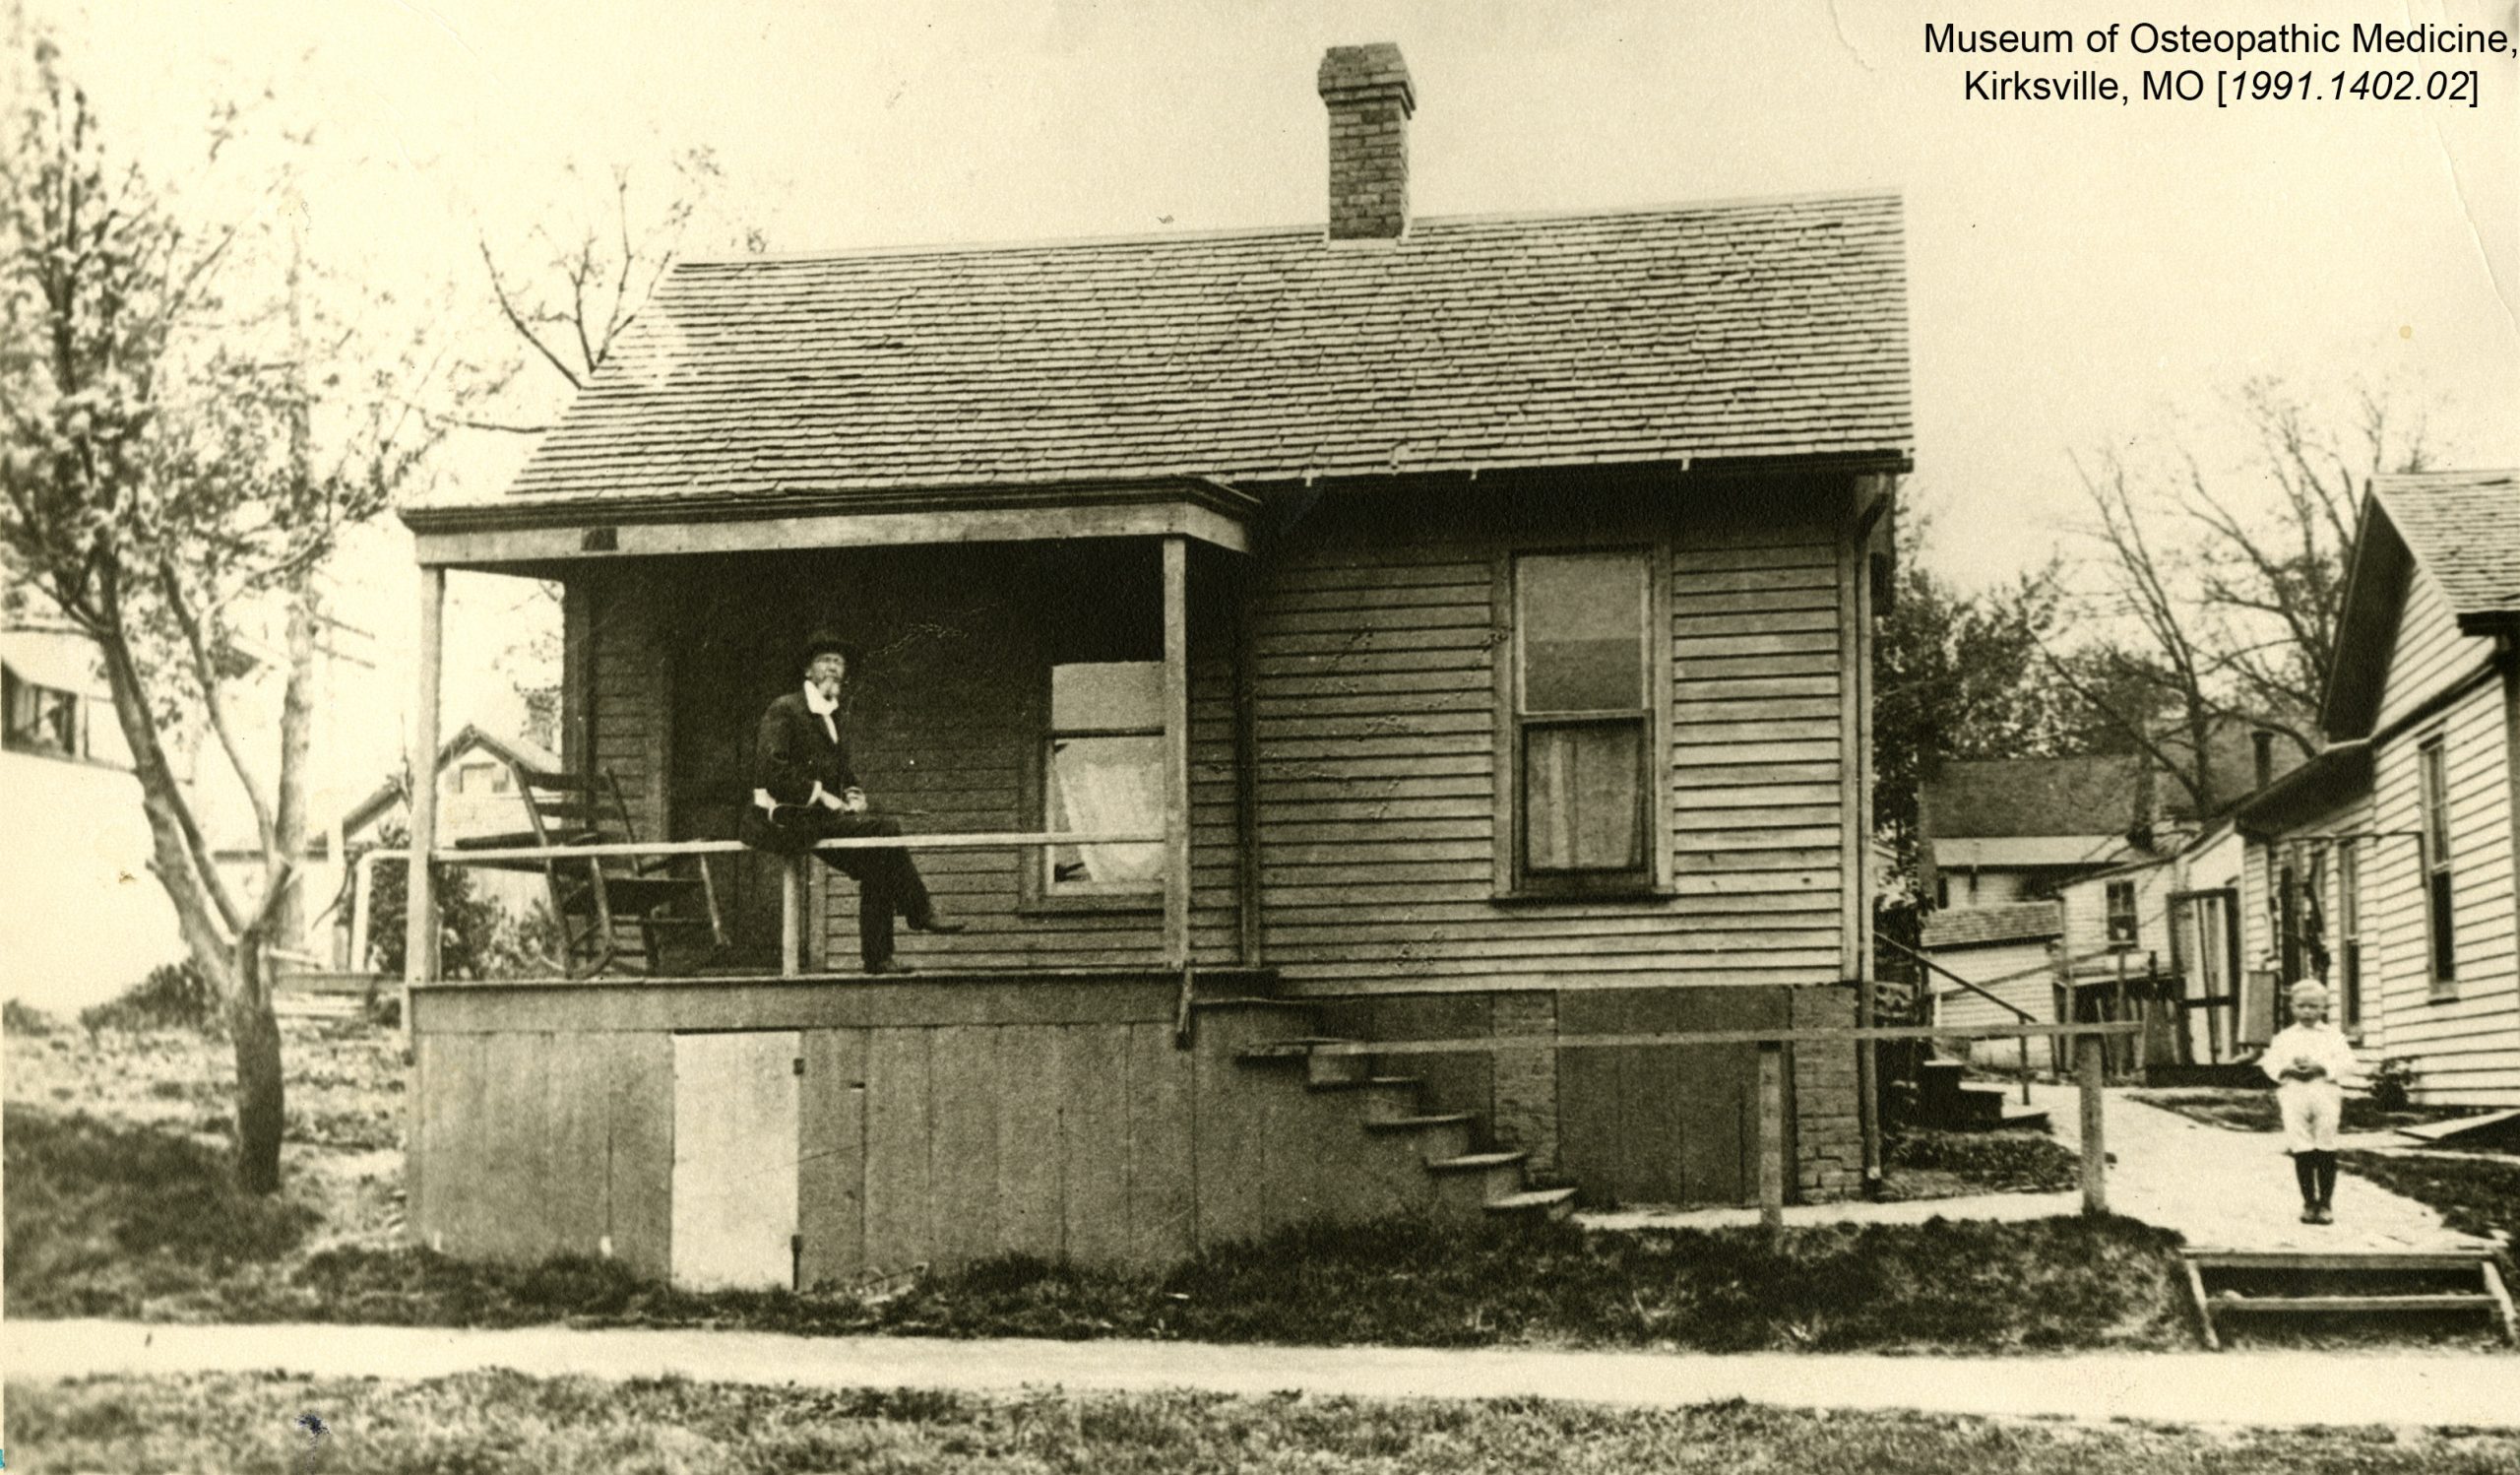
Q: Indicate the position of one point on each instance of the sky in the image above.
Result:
(2081, 274)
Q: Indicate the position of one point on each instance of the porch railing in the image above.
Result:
(791, 890)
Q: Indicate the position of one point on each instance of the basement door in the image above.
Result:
(735, 1159)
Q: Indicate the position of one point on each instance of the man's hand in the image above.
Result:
(853, 801)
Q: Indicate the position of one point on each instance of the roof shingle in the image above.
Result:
(1752, 330)
(1975, 927)
(2464, 528)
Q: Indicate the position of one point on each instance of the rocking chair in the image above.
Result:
(606, 903)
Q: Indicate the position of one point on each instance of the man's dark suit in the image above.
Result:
(792, 752)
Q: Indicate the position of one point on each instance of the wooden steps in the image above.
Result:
(2349, 1282)
(1457, 1180)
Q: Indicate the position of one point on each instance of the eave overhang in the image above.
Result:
(2333, 776)
(544, 531)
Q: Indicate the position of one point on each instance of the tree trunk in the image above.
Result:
(296, 730)
(258, 1107)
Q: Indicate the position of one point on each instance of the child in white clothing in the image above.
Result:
(2311, 1063)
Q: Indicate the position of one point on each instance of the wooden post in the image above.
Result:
(362, 912)
(2087, 1063)
(1177, 752)
(420, 936)
(2118, 1013)
(1772, 1140)
(791, 915)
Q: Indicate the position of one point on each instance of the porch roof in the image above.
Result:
(1759, 331)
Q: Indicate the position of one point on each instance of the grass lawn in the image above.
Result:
(119, 1205)
(1922, 1163)
(125, 1221)
(493, 1423)
(2253, 1111)
(2476, 1195)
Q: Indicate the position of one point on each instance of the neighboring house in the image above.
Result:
(81, 915)
(2171, 917)
(2386, 866)
(476, 797)
(2000, 830)
(1993, 832)
(1479, 608)
(2008, 951)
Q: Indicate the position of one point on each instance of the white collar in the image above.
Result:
(819, 704)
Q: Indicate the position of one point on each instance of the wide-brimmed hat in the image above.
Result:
(826, 642)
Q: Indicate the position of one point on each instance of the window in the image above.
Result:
(57, 724)
(2122, 929)
(484, 778)
(1102, 770)
(2349, 934)
(1582, 723)
(2434, 798)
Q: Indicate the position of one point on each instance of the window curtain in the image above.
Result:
(1103, 784)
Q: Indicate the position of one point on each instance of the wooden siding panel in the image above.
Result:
(830, 1172)
(900, 1218)
(2464, 1044)
(642, 1150)
(2430, 653)
(969, 1144)
(1162, 1215)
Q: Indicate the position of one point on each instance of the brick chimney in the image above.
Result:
(1366, 88)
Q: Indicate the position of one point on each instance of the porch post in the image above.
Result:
(419, 937)
(1177, 752)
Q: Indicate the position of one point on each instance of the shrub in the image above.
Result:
(2393, 1083)
(24, 1019)
(173, 995)
(467, 923)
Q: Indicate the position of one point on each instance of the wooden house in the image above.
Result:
(73, 840)
(1993, 965)
(1470, 615)
(2385, 866)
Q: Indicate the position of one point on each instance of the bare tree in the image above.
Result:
(571, 310)
(2221, 590)
(174, 468)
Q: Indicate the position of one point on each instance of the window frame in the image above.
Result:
(2132, 915)
(1514, 881)
(2349, 933)
(2436, 872)
(83, 707)
(1035, 893)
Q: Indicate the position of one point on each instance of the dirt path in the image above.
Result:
(2273, 1388)
(2226, 1189)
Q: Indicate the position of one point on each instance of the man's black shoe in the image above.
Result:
(931, 923)
(890, 965)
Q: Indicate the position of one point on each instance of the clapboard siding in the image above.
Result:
(2261, 936)
(2464, 1043)
(1375, 649)
(943, 720)
(2428, 653)
(628, 691)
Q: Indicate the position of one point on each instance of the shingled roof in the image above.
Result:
(1741, 331)
(1978, 927)
(2008, 797)
(2464, 528)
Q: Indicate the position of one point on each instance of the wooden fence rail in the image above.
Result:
(1773, 1174)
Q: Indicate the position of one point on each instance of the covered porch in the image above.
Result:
(1045, 700)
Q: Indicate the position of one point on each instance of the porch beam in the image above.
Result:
(419, 937)
(589, 535)
(1176, 751)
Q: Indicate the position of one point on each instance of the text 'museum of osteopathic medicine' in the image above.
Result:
(2277, 63)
